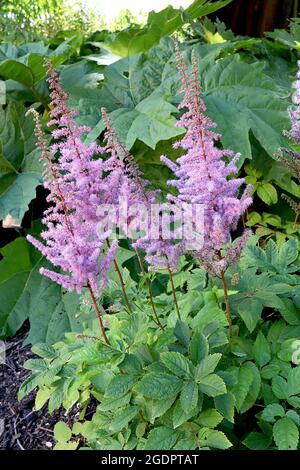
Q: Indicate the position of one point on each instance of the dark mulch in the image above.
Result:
(23, 428)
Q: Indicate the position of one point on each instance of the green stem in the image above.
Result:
(121, 281)
(149, 288)
(174, 292)
(228, 313)
(98, 313)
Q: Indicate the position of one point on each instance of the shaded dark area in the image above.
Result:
(23, 428)
(254, 17)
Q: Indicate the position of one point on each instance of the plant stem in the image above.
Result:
(174, 292)
(98, 313)
(228, 313)
(149, 287)
(121, 280)
(296, 219)
(215, 295)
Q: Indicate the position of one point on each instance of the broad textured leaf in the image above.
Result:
(198, 347)
(28, 386)
(122, 417)
(234, 88)
(152, 122)
(213, 439)
(114, 403)
(294, 381)
(27, 294)
(210, 418)
(177, 364)
(280, 387)
(288, 252)
(267, 193)
(159, 386)
(20, 170)
(180, 416)
(271, 411)
(212, 385)
(182, 333)
(261, 350)
(28, 67)
(286, 434)
(62, 432)
(241, 390)
(225, 405)
(120, 385)
(186, 444)
(160, 24)
(207, 366)
(161, 438)
(157, 408)
(189, 396)
(250, 310)
(42, 396)
(257, 441)
(254, 388)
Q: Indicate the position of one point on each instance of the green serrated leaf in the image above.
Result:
(207, 366)
(161, 438)
(120, 385)
(122, 417)
(257, 441)
(212, 385)
(198, 347)
(159, 386)
(177, 364)
(225, 405)
(261, 350)
(210, 418)
(271, 411)
(213, 439)
(189, 396)
(286, 434)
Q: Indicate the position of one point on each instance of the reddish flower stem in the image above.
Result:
(121, 281)
(98, 313)
(228, 313)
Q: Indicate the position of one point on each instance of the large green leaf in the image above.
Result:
(233, 88)
(159, 386)
(26, 294)
(164, 23)
(15, 268)
(20, 170)
(286, 434)
(189, 396)
(212, 385)
(137, 110)
(161, 438)
(27, 65)
(177, 364)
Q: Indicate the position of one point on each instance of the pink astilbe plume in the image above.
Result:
(202, 177)
(290, 158)
(130, 190)
(294, 113)
(76, 188)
